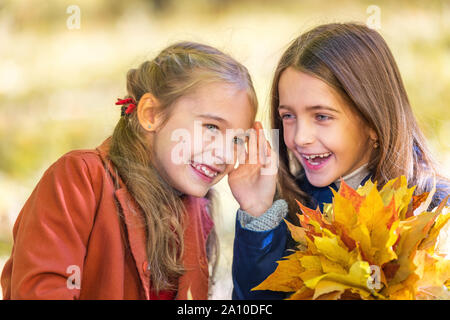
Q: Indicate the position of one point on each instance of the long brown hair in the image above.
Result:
(356, 61)
(175, 72)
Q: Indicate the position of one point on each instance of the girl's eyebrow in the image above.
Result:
(311, 108)
(285, 107)
(320, 107)
(214, 117)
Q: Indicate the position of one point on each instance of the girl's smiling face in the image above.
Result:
(320, 128)
(196, 131)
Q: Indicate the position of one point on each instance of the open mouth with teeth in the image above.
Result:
(205, 172)
(316, 161)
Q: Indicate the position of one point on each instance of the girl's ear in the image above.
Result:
(374, 137)
(146, 111)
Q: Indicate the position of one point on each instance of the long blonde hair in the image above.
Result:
(175, 72)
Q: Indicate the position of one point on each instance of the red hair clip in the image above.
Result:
(131, 105)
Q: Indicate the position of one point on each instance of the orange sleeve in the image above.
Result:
(52, 231)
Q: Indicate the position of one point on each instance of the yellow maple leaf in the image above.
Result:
(304, 293)
(331, 249)
(412, 231)
(344, 211)
(376, 217)
(398, 190)
(356, 279)
(406, 290)
(433, 271)
(286, 276)
(297, 233)
(442, 221)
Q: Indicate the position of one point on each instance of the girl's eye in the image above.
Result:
(322, 117)
(287, 116)
(211, 127)
(238, 141)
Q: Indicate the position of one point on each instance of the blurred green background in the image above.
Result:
(58, 84)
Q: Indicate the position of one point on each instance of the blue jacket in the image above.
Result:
(256, 253)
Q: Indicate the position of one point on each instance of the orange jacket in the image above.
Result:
(77, 223)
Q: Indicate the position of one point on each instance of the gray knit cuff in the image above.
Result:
(268, 220)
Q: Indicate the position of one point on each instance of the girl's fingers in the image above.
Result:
(264, 150)
(247, 156)
(242, 155)
(268, 156)
(258, 149)
(267, 149)
(254, 144)
(259, 133)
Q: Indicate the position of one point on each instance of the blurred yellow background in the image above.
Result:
(63, 64)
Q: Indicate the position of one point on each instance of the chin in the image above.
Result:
(198, 194)
(319, 182)
(193, 191)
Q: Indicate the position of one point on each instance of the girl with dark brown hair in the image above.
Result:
(340, 104)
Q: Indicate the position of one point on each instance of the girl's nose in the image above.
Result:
(224, 154)
(304, 134)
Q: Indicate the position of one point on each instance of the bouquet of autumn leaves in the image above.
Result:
(368, 244)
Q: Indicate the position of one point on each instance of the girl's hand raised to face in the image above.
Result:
(253, 182)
